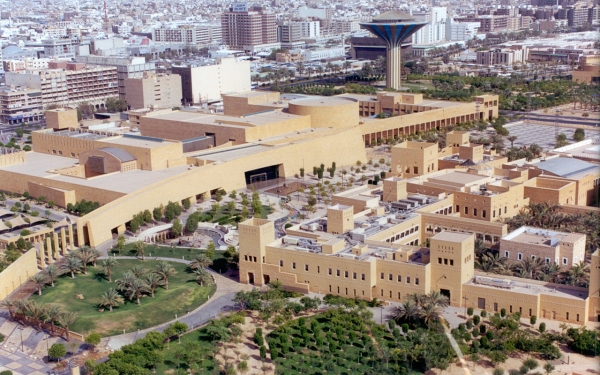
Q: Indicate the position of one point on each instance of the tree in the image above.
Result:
(51, 314)
(203, 276)
(107, 265)
(93, 339)
(532, 320)
(136, 288)
(177, 329)
(57, 351)
(66, 319)
(512, 139)
(111, 298)
(39, 279)
(154, 281)
(165, 270)
(210, 250)
(201, 261)
(579, 135)
(72, 264)
(187, 203)
(140, 247)
(548, 367)
(177, 228)
(542, 327)
(86, 255)
(157, 213)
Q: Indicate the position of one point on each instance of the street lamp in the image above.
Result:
(22, 347)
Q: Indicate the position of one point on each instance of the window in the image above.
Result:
(318, 269)
(466, 210)
(399, 295)
(281, 263)
(474, 212)
(346, 274)
(520, 256)
(505, 209)
(390, 277)
(446, 261)
(354, 275)
(577, 317)
(439, 260)
(493, 213)
(529, 312)
(399, 278)
(329, 271)
(408, 279)
(510, 309)
(362, 276)
(382, 276)
(565, 261)
(337, 272)
(533, 257)
(416, 281)
(483, 213)
(506, 254)
(382, 292)
(294, 265)
(457, 208)
(306, 267)
(451, 262)
(567, 316)
(416, 170)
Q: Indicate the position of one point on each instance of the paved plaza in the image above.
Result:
(543, 135)
(26, 357)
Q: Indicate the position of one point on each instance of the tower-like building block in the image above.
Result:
(340, 219)
(393, 27)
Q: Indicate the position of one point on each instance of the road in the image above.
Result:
(572, 120)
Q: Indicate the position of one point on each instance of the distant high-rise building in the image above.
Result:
(245, 29)
(153, 90)
(435, 30)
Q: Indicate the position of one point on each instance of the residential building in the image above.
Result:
(289, 32)
(20, 104)
(248, 30)
(500, 57)
(201, 34)
(69, 83)
(127, 67)
(153, 90)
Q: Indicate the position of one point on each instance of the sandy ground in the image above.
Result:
(247, 350)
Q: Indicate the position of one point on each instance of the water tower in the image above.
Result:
(393, 27)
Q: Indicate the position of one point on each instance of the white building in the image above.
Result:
(204, 84)
(311, 29)
(461, 31)
(324, 54)
(435, 30)
(500, 57)
(320, 13)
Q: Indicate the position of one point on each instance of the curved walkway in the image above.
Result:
(219, 302)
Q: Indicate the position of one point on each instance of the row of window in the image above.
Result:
(398, 278)
(565, 260)
(406, 233)
(363, 292)
(483, 212)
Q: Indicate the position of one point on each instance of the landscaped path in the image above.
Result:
(221, 301)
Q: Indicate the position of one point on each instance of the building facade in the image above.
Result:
(245, 30)
(153, 91)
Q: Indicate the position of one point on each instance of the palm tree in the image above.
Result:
(512, 139)
(529, 266)
(125, 281)
(85, 255)
(406, 311)
(136, 288)
(72, 265)
(430, 313)
(201, 261)
(39, 279)
(51, 314)
(203, 276)
(347, 65)
(138, 271)
(107, 265)
(65, 320)
(36, 312)
(95, 254)
(153, 280)
(165, 270)
(438, 299)
(52, 273)
(9, 304)
(579, 275)
(139, 247)
(111, 298)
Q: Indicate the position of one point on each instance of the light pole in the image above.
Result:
(22, 347)
(466, 299)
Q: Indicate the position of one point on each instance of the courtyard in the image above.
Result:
(184, 295)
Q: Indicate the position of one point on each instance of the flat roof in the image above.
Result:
(324, 101)
(459, 178)
(248, 120)
(541, 236)
(452, 236)
(534, 287)
(42, 165)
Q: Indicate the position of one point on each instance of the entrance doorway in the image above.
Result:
(445, 292)
(266, 279)
(481, 303)
(251, 278)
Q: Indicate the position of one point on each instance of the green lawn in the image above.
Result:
(173, 349)
(223, 216)
(151, 251)
(184, 295)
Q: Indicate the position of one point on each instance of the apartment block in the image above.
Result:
(20, 104)
(70, 83)
(244, 29)
(500, 57)
(192, 35)
(153, 91)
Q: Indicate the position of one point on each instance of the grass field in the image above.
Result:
(223, 216)
(184, 295)
(187, 253)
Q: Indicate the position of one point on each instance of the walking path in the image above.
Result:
(221, 301)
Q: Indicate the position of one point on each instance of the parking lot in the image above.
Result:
(543, 135)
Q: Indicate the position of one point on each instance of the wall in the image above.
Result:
(18, 273)
(228, 175)
(14, 157)
(60, 197)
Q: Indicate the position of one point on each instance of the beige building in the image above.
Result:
(20, 104)
(153, 91)
(309, 260)
(565, 249)
(411, 159)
